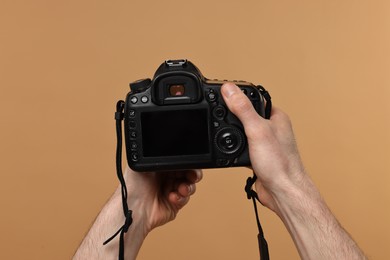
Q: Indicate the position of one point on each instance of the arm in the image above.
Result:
(155, 199)
(283, 185)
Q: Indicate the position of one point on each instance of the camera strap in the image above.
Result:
(128, 213)
(251, 194)
(268, 102)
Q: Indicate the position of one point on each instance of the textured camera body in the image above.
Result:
(179, 120)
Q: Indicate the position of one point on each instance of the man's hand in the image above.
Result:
(284, 187)
(154, 198)
(273, 152)
(157, 197)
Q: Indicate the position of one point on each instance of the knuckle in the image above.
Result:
(241, 104)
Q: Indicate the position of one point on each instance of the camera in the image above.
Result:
(179, 120)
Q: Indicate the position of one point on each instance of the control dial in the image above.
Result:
(229, 140)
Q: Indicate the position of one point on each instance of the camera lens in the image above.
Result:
(176, 90)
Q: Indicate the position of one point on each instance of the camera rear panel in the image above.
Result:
(176, 123)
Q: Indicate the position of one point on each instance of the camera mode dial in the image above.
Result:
(140, 85)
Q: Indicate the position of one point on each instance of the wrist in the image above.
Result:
(306, 216)
(314, 229)
(137, 207)
(109, 220)
(296, 195)
(136, 232)
(297, 188)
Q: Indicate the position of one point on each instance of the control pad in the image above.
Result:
(229, 140)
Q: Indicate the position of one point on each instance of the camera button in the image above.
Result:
(219, 112)
(253, 95)
(133, 146)
(132, 124)
(211, 96)
(216, 124)
(131, 113)
(134, 99)
(223, 162)
(134, 157)
(133, 134)
(144, 99)
(228, 141)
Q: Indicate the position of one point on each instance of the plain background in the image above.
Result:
(64, 64)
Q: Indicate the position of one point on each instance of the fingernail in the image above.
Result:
(229, 89)
(199, 176)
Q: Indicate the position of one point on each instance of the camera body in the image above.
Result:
(179, 120)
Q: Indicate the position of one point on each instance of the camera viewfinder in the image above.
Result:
(176, 90)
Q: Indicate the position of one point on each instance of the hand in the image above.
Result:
(156, 198)
(284, 187)
(272, 148)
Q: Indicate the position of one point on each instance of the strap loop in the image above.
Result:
(248, 188)
(118, 116)
(251, 194)
(128, 221)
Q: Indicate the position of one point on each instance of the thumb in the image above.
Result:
(239, 104)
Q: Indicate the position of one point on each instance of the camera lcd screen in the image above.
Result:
(173, 133)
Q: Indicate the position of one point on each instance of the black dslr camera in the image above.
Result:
(179, 120)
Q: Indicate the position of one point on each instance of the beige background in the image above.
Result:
(64, 64)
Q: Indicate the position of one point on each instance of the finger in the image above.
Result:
(191, 176)
(239, 104)
(194, 176)
(183, 186)
(177, 201)
(186, 190)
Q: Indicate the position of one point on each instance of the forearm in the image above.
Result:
(109, 220)
(316, 232)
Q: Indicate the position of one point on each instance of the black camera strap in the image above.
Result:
(128, 213)
(268, 102)
(251, 194)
